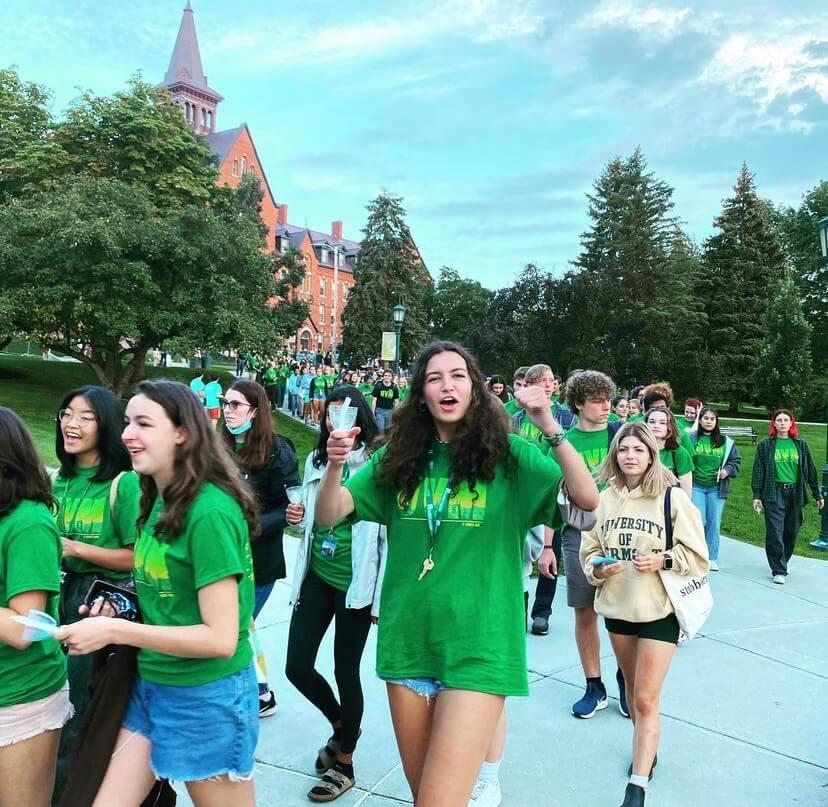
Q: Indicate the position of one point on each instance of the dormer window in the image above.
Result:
(285, 243)
(323, 255)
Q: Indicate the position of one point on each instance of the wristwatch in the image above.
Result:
(668, 561)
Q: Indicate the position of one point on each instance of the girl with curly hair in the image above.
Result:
(458, 494)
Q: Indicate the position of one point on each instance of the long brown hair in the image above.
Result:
(256, 449)
(481, 441)
(201, 458)
(22, 475)
(671, 441)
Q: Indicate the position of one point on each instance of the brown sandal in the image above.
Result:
(331, 786)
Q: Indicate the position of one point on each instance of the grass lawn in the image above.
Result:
(34, 388)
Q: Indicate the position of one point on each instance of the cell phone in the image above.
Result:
(604, 561)
(123, 600)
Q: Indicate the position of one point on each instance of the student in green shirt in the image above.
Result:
(692, 407)
(620, 409)
(458, 494)
(97, 509)
(673, 456)
(512, 407)
(337, 575)
(34, 693)
(497, 386)
(194, 578)
(634, 412)
(716, 460)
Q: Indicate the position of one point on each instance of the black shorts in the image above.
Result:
(661, 630)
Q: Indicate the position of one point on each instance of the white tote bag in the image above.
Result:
(690, 595)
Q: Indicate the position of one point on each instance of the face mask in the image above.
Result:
(236, 430)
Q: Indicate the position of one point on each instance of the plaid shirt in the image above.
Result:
(763, 481)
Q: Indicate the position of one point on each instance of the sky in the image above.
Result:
(491, 118)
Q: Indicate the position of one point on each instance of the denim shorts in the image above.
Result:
(198, 732)
(426, 687)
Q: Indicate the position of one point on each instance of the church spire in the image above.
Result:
(185, 77)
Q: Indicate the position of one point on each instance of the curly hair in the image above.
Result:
(480, 443)
(658, 390)
(586, 384)
(201, 458)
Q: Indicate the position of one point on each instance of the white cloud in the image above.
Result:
(771, 65)
(657, 22)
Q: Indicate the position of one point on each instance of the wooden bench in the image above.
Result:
(739, 431)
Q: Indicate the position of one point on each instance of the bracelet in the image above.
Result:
(556, 439)
(548, 546)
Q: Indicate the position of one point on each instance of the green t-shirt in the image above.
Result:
(337, 571)
(786, 461)
(613, 418)
(512, 407)
(84, 515)
(706, 461)
(367, 390)
(403, 392)
(635, 418)
(686, 442)
(677, 460)
(270, 377)
(684, 424)
(213, 544)
(441, 627)
(30, 561)
(592, 446)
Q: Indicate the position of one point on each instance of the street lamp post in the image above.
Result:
(334, 346)
(821, 541)
(398, 313)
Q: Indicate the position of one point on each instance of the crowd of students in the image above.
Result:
(158, 540)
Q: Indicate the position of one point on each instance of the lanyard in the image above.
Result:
(434, 519)
(62, 508)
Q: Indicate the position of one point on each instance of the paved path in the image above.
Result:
(745, 709)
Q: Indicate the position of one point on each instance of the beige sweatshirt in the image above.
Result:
(629, 524)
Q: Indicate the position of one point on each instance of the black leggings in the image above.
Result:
(318, 604)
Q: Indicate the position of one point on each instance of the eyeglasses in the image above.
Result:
(66, 416)
(234, 405)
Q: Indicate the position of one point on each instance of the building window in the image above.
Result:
(244, 164)
(285, 243)
(321, 314)
(210, 120)
(322, 286)
(305, 340)
(235, 168)
(332, 318)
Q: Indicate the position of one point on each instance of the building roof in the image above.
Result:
(296, 235)
(222, 142)
(185, 63)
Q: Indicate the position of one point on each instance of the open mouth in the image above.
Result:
(448, 403)
(134, 451)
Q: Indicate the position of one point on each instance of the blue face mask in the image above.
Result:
(236, 430)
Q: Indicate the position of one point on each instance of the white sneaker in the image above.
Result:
(779, 579)
(485, 794)
(714, 566)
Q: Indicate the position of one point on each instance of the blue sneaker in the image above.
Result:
(622, 693)
(595, 699)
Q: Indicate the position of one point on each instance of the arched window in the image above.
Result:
(203, 118)
(210, 120)
(244, 164)
(235, 168)
(305, 341)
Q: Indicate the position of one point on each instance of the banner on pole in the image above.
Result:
(389, 346)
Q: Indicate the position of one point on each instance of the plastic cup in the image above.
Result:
(343, 417)
(38, 626)
(294, 494)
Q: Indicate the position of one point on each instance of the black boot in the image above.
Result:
(652, 770)
(633, 796)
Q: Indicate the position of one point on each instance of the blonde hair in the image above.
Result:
(656, 478)
(536, 372)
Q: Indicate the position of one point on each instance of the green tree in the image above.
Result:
(288, 312)
(742, 262)
(459, 309)
(629, 298)
(104, 275)
(389, 270)
(783, 374)
(798, 230)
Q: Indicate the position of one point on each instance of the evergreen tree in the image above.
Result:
(389, 270)
(798, 230)
(742, 261)
(631, 300)
(783, 374)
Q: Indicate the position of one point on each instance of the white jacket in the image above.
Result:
(368, 544)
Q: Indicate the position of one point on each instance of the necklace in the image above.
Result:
(434, 518)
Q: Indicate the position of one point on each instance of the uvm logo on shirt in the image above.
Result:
(594, 457)
(88, 515)
(466, 506)
(151, 564)
(785, 453)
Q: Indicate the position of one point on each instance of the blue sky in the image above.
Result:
(490, 117)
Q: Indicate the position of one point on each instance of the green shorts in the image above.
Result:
(661, 630)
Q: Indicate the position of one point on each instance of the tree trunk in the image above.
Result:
(4, 342)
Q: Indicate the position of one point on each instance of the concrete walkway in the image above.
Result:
(745, 709)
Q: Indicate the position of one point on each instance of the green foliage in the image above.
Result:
(798, 231)
(389, 270)
(459, 309)
(784, 370)
(742, 261)
(98, 266)
(289, 312)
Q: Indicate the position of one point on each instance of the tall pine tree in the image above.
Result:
(742, 262)
(784, 370)
(629, 307)
(389, 270)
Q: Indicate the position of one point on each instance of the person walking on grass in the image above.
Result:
(457, 492)
(783, 473)
(630, 595)
(716, 460)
